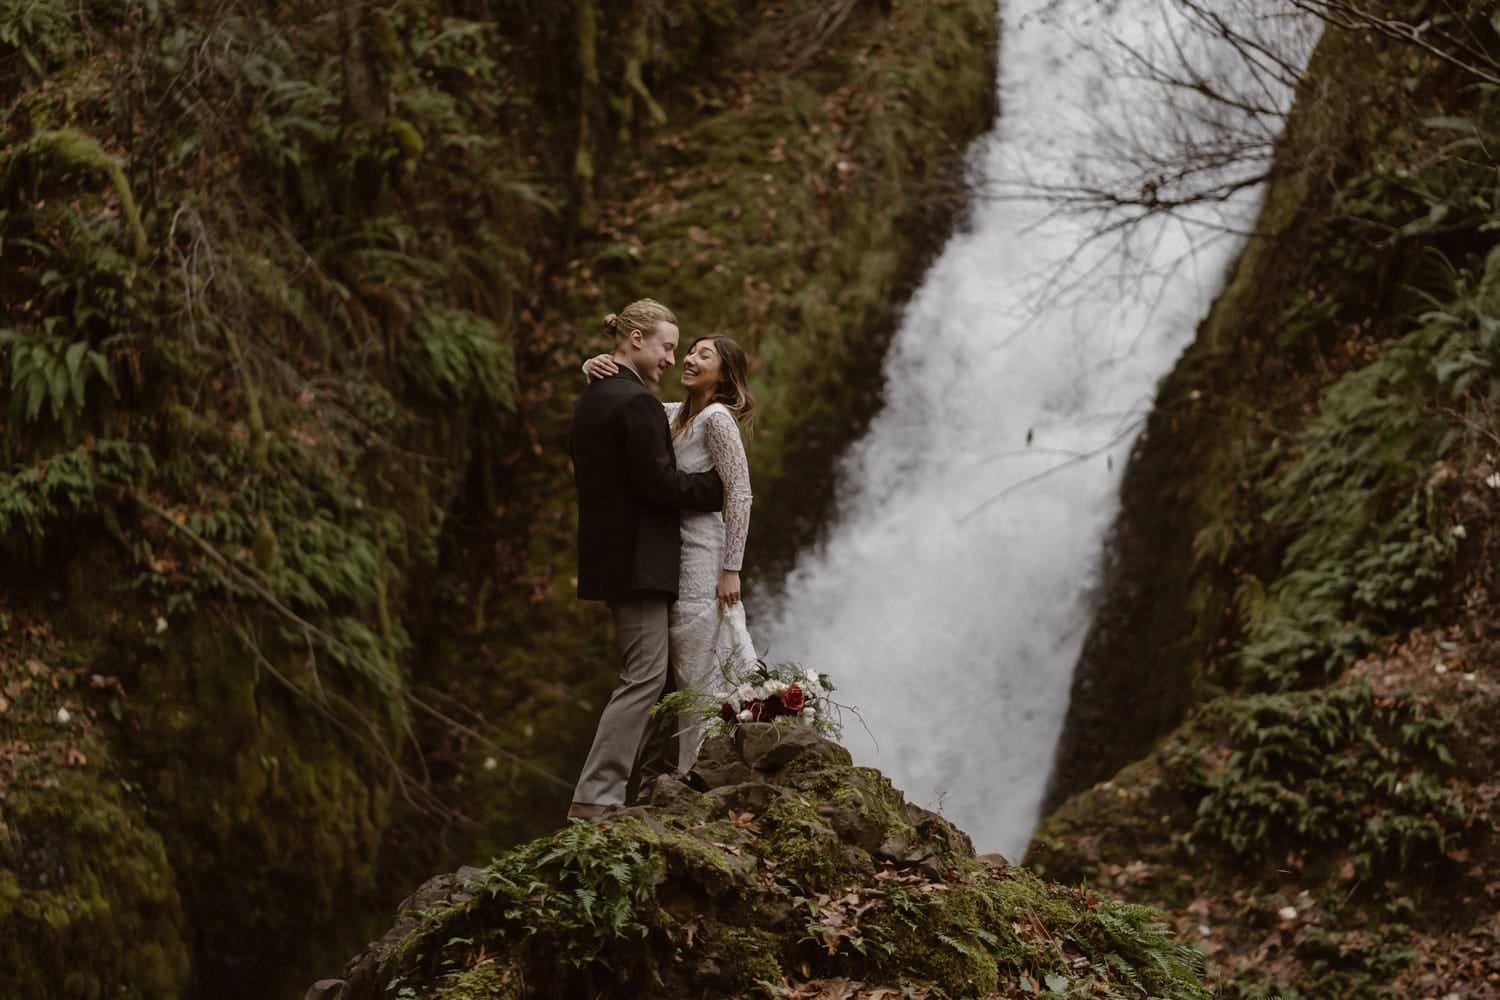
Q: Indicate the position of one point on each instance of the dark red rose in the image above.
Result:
(727, 712)
(794, 698)
(758, 710)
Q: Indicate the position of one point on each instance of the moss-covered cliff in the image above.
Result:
(1296, 647)
(291, 301)
(774, 869)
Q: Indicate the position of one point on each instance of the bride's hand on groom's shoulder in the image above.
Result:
(600, 366)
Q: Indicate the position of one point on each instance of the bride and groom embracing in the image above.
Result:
(652, 480)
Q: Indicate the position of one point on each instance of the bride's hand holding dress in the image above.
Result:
(729, 588)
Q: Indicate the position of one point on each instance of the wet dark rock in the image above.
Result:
(451, 889)
(719, 764)
(767, 746)
(666, 791)
(749, 797)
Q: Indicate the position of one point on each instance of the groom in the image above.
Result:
(629, 497)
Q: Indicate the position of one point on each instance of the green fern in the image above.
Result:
(1336, 769)
(1369, 540)
(585, 895)
(41, 32)
(51, 371)
(65, 485)
(458, 355)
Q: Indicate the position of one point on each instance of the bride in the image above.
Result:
(709, 639)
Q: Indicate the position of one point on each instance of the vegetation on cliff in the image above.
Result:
(292, 303)
(776, 869)
(1319, 490)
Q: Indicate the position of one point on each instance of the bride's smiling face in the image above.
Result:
(700, 368)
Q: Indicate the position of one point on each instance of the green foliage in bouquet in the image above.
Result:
(763, 693)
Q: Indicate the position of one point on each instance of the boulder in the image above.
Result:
(776, 861)
(452, 889)
(768, 746)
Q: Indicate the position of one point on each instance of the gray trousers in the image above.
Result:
(641, 631)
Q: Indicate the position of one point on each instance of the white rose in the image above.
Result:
(776, 687)
(745, 715)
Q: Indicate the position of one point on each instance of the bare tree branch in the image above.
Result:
(1472, 58)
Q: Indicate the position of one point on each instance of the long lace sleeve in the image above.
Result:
(721, 435)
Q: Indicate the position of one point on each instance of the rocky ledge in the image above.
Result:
(775, 868)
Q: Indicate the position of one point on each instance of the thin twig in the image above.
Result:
(1044, 474)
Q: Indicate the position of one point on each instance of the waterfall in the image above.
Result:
(947, 598)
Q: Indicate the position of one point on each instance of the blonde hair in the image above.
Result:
(733, 388)
(642, 315)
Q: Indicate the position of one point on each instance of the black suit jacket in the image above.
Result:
(630, 491)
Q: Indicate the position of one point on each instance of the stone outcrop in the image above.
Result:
(775, 864)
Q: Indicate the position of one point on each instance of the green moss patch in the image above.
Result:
(89, 906)
(624, 908)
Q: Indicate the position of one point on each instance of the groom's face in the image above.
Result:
(656, 353)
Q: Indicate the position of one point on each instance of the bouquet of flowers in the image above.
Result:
(763, 692)
(772, 691)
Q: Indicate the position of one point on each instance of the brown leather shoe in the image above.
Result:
(587, 811)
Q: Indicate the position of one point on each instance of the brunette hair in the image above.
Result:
(642, 315)
(733, 388)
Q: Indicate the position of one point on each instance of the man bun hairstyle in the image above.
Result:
(642, 315)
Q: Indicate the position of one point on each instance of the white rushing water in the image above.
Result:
(949, 614)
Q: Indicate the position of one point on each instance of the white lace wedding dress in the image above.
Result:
(709, 644)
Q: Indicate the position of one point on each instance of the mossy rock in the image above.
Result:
(89, 905)
(756, 885)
